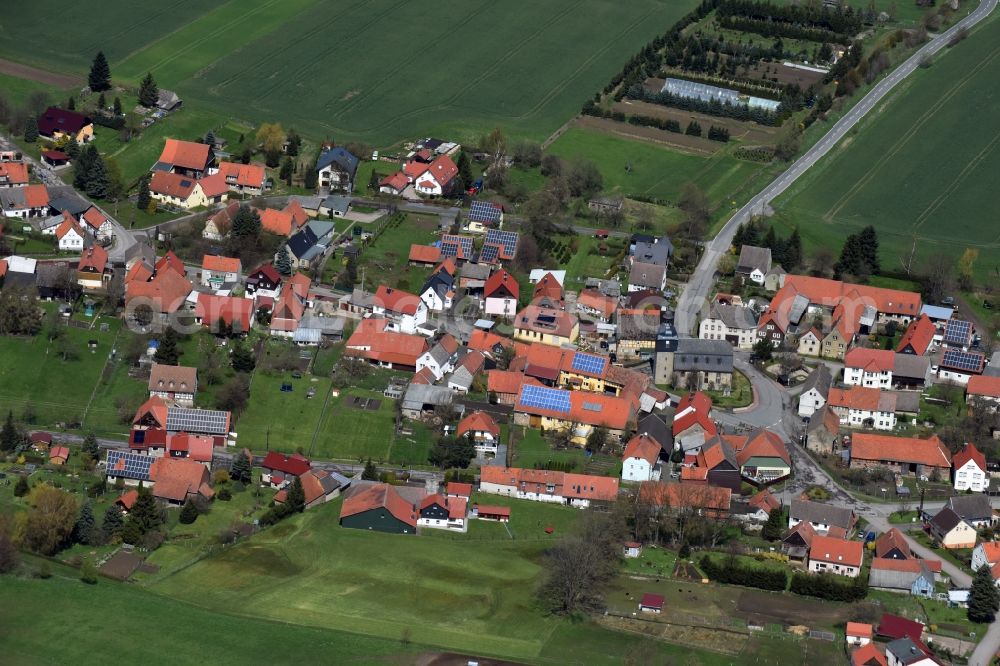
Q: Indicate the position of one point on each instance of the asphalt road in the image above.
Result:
(696, 293)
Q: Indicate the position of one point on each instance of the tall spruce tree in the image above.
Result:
(113, 522)
(241, 470)
(984, 598)
(118, 106)
(295, 500)
(99, 179)
(283, 262)
(31, 129)
(81, 173)
(142, 197)
(793, 250)
(100, 73)
(246, 223)
(167, 352)
(146, 512)
(9, 435)
(149, 93)
(83, 530)
(868, 243)
(189, 513)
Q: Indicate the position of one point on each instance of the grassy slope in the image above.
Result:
(917, 167)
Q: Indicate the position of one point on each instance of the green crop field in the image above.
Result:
(377, 70)
(921, 169)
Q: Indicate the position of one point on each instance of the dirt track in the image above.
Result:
(20, 71)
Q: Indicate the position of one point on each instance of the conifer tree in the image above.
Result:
(31, 130)
(149, 93)
(100, 73)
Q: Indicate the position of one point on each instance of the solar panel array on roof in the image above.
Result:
(592, 406)
(960, 360)
(484, 211)
(129, 465)
(180, 419)
(545, 398)
(489, 254)
(957, 332)
(507, 239)
(456, 246)
(589, 363)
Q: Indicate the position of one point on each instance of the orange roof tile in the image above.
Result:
(478, 421)
(870, 360)
(234, 311)
(425, 254)
(836, 551)
(36, 196)
(396, 181)
(93, 259)
(644, 447)
(214, 185)
(485, 341)
(184, 154)
(15, 173)
(574, 486)
(862, 398)
(682, 495)
(984, 385)
(694, 474)
(213, 262)
(372, 341)
(918, 335)
(931, 452)
(94, 218)
(891, 540)
(967, 453)
(868, 655)
(694, 408)
(376, 496)
(171, 184)
(504, 282)
(595, 300)
(396, 300)
(277, 222)
(69, 223)
(912, 565)
(246, 175)
(859, 629)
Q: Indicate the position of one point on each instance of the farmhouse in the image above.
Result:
(735, 324)
(290, 306)
(577, 411)
(861, 407)
(178, 383)
(815, 390)
(441, 512)
(974, 508)
(279, 469)
(162, 287)
(754, 263)
(186, 192)
(918, 336)
(336, 168)
(577, 490)
(175, 480)
(376, 342)
(869, 367)
(913, 576)
(55, 124)
(24, 202)
(823, 518)
(247, 179)
(892, 545)
(984, 388)
(13, 174)
(959, 367)
(378, 507)
(635, 333)
(902, 455)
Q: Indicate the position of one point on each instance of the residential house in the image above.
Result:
(280, 469)
(70, 235)
(636, 335)
(959, 367)
(456, 489)
(483, 430)
(984, 388)
(13, 174)
(500, 294)
(578, 490)
(825, 519)
(958, 334)
(546, 321)
(265, 280)
(655, 251)
(186, 192)
(379, 507)
(319, 486)
(186, 158)
(576, 411)
(969, 470)
(491, 344)
(641, 460)
(162, 287)
(404, 311)
(869, 367)
(892, 545)
(178, 383)
(438, 292)
(631, 549)
(735, 324)
(93, 271)
(283, 222)
(815, 390)
(912, 576)
(918, 336)
(219, 224)
(293, 299)
(97, 224)
(976, 509)
(718, 466)
(24, 202)
(307, 247)
(951, 530)
(811, 343)
(464, 375)
(244, 179)
(909, 652)
(859, 634)
(336, 169)
(644, 276)
(702, 364)
(902, 455)
(217, 271)
(483, 215)
(335, 205)
(506, 385)
(440, 178)
(754, 263)
(759, 507)
(393, 184)
(692, 426)
(761, 455)
(987, 554)
(375, 341)
(596, 305)
(709, 501)
(442, 512)
(58, 455)
(225, 314)
(837, 556)
(176, 480)
(55, 124)
(861, 407)
(441, 358)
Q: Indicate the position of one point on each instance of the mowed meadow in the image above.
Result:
(922, 168)
(375, 70)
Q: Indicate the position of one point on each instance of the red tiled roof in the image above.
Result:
(376, 496)
(969, 452)
(501, 279)
(889, 541)
(93, 259)
(868, 655)
(836, 551)
(764, 500)
(372, 341)
(396, 300)
(642, 446)
(199, 447)
(68, 224)
(984, 385)
(762, 444)
(213, 262)
(507, 382)
(595, 300)
(909, 566)
(694, 474)
(294, 464)
(548, 286)
(870, 360)
(575, 486)
(59, 453)
(683, 495)
(931, 452)
(156, 407)
(15, 173)
(165, 292)
(298, 213)
(413, 169)
(425, 254)
(918, 335)
(396, 181)
(277, 222)
(478, 421)
(176, 478)
(863, 398)
(214, 185)
(172, 184)
(859, 629)
(36, 196)
(127, 499)
(246, 175)
(184, 154)
(443, 169)
(694, 409)
(94, 218)
(531, 319)
(456, 488)
(594, 409)
(894, 626)
(234, 311)
(268, 271)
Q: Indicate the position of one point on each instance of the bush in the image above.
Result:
(225, 495)
(827, 586)
(189, 513)
(733, 573)
(44, 570)
(88, 573)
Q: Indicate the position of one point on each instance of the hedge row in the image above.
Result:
(733, 573)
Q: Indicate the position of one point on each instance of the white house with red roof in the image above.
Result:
(280, 469)
(405, 311)
(693, 425)
(969, 470)
(217, 270)
(394, 184)
(483, 430)
(70, 235)
(439, 178)
(444, 513)
(869, 367)
(837, 556)
(985, 388)
(641, 460)
(987, 554)
(500, 294)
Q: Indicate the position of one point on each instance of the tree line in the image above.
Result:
(809, 22)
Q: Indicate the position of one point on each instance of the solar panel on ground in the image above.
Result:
(960, 360)
(957, 332)
(180, 419)
(589, 363)
(545, 398)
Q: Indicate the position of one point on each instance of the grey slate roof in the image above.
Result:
(338, 156)
(944, 521)
(908, 365)
(819, 379)
(752, 257)
(658, 252)
(733, 316)
(971, 507)
(338, 203)
(439, 354)
(905, 651)
(694, 355)
(816, 512)
(473, 271)
(654, 426)
(303, 241)
(647, 275)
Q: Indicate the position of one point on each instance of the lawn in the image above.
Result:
(587, 260)
(281, 421)
(250, 57)
(385, 261)
(656, 172)
(534, 450)
(913, 168)
(348, 433)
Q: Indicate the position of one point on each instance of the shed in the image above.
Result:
(651, 603)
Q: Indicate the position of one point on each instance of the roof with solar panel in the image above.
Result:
(459, 247)
(967, 362)
(129, 465)
(506, 240)
(958, 332)
(542, 397)
(180, 419)
(485, 211)
(590, 364)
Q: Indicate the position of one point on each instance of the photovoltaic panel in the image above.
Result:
(449, 250)
(130, 465)
(507, 239)
(545, 398)
(483, 211)
(180, 419)
(960, 360)
(589, 363)
(462, 245)
(957, 332)
(490, 253)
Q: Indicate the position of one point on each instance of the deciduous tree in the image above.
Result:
(48, 524)
(271, 137)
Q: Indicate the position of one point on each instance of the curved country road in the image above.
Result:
(697, 290)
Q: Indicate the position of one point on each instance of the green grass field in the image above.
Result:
(918, 168)
(377, 70)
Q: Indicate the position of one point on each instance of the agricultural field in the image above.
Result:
(371, 70)
(915, 168)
